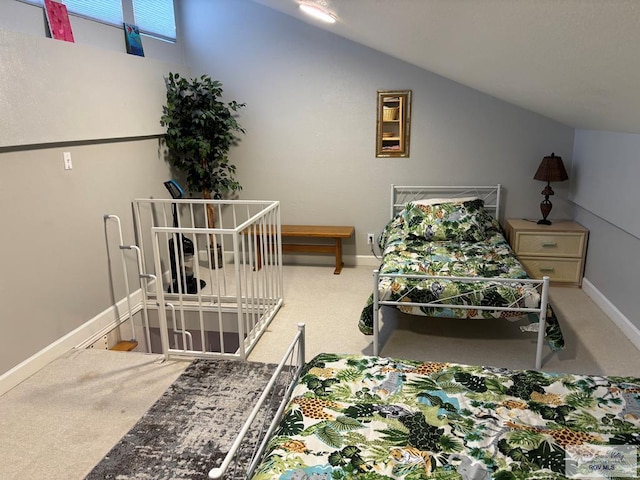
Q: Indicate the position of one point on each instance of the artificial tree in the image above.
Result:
(201, 129)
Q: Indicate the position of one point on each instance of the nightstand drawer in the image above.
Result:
(554, 244)
(557, 251)
(565, 270)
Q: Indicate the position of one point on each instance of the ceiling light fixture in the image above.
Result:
(317, 12)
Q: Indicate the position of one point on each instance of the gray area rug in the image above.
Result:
(192, 425)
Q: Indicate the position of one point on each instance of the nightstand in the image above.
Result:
(557, 250)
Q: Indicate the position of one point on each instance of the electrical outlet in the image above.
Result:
(370, 238)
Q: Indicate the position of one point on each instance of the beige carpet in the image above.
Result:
(330, 306)
(61, 422)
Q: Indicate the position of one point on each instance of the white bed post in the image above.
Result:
(375, 312)
(393, 202)
(542, 323)
(301, 345)
(258, 450)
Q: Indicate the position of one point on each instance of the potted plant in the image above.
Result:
(201, 129)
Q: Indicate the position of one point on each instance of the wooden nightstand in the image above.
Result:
(557, 250)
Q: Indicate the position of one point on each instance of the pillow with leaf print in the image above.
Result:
(459, 221)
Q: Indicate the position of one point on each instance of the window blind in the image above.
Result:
(108, 11)
(155, 17)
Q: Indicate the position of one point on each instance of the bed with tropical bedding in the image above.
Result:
(449, 258)
(372, 418)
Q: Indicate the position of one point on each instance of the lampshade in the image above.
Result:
(551, 169)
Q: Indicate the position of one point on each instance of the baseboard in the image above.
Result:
(302, 259)
(367, 260)
(203, 257)
(328, 260)
(622, 322)
(85, 334)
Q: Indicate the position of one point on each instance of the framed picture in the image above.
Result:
(58, 20)
(393, 123)
(133, 40)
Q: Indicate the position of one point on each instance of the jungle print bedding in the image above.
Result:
(453, 239)
(371, 418)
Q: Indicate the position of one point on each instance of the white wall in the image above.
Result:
(310, 120)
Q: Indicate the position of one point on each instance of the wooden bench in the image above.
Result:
(315, 231)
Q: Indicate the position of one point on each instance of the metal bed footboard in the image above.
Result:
(284, 378)
(540, 285)
(491, 196)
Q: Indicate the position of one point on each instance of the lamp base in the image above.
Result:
(546, 206)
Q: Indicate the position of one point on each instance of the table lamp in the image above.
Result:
(551, 169)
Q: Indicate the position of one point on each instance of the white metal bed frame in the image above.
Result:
(281, 384)
(228, 315)
(491, 195)
(273, 401)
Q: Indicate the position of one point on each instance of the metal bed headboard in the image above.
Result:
(401, 195)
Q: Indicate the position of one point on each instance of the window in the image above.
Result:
(153, 17)
(108, 11)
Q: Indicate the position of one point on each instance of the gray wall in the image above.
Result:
(311, 118)
(310, 124)
(91, 99)
(56, 91)
(606, 171)
(55, 270)
(605, 177)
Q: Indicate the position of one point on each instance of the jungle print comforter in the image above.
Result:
(461, 240)
(372, 418)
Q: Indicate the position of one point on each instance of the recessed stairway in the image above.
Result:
(125, 345)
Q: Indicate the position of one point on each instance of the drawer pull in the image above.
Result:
(547, 269)
(549, 245)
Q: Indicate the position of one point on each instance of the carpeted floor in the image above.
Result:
(191, 427)
(62, 421)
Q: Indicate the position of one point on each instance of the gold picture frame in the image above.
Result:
(393, 124)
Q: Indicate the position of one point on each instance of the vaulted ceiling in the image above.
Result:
(575, 61)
